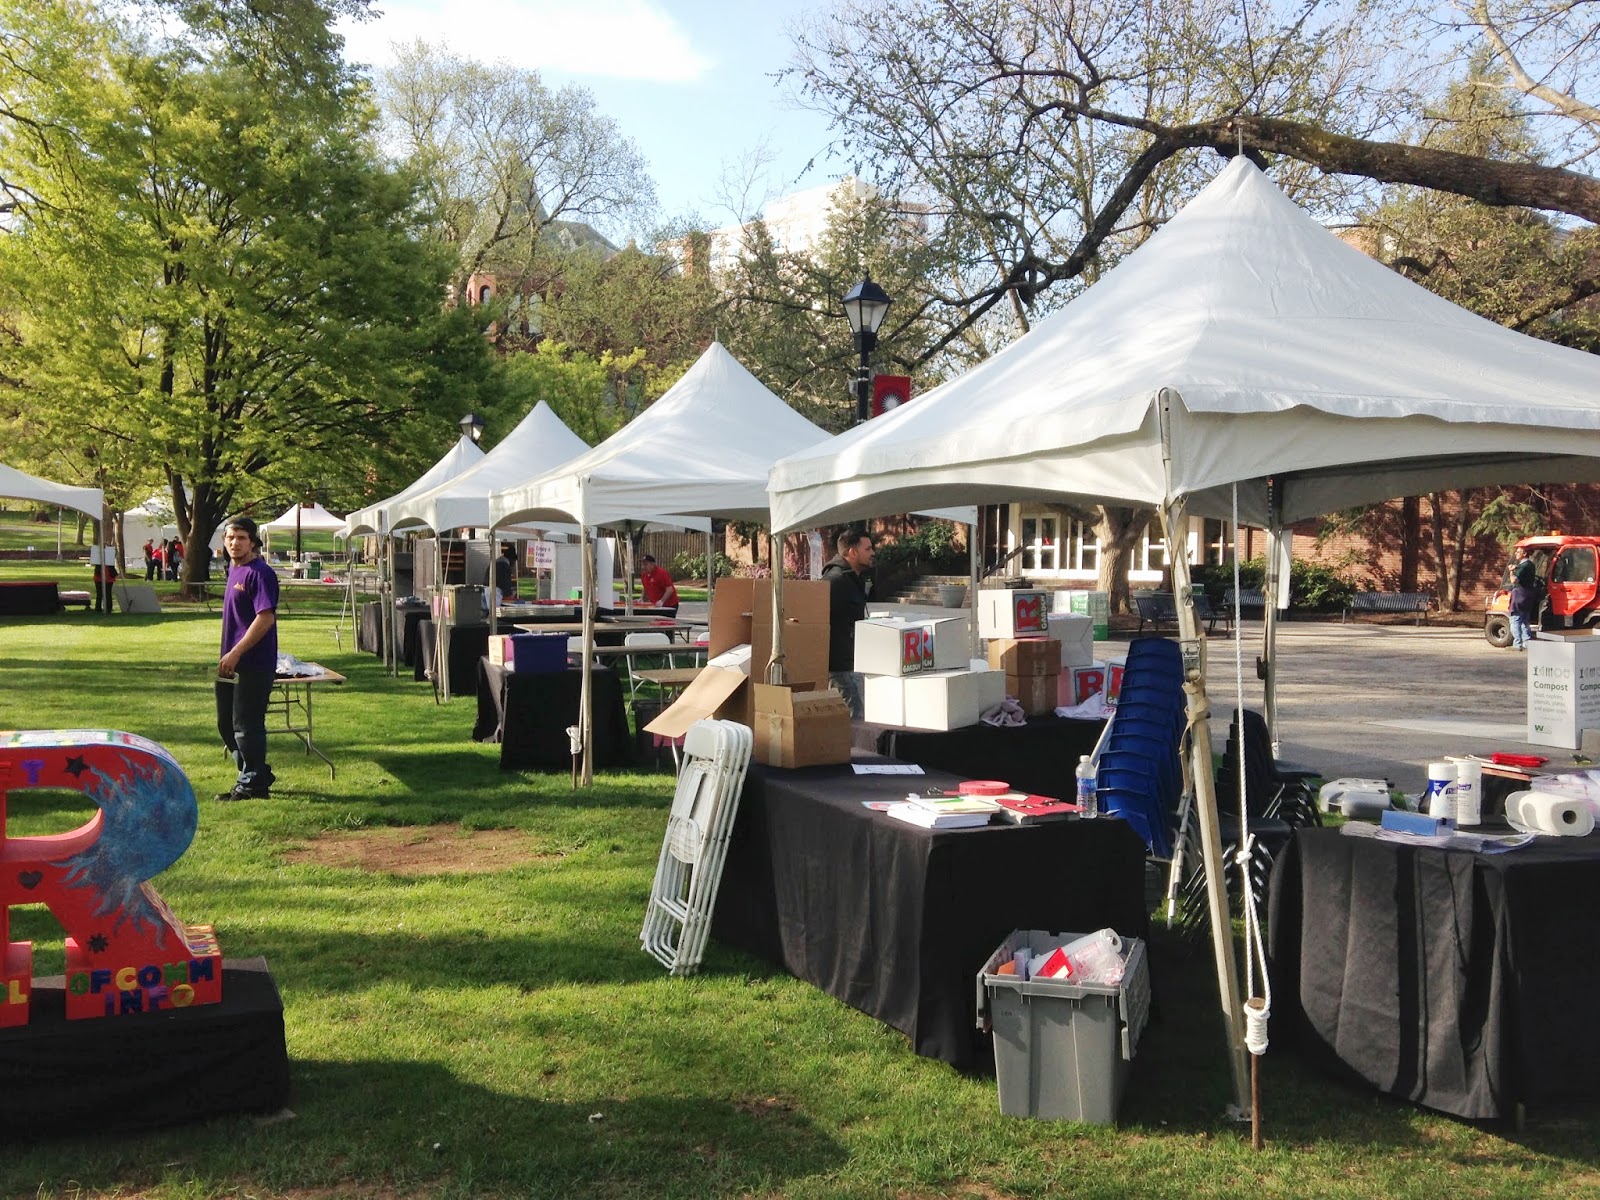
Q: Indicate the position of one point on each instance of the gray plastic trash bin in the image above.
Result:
(1062, 1050)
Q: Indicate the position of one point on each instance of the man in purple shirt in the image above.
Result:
(249, 659)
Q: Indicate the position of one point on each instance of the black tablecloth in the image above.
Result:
(896, 921)
(528, 714)
(468, 643)
(146, 1070)
(1460, 981)
(29, 599)
(1037, 757)
(369, 635)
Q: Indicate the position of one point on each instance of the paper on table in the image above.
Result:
(886, 769)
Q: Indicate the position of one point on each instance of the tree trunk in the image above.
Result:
(1118, 530)
(1450, 525)
(1410, 542)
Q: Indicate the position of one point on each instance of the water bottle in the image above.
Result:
(1087, 797)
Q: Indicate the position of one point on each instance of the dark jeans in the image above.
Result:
(242, 722)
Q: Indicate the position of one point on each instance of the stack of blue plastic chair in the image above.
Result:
(1139, 775)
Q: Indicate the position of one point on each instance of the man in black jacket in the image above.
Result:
(849, 588)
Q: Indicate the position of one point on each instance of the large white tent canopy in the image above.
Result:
(375, 517)
(701, 450)
(1252, 345)
(540, 443)
(19, 485)
(1242, 352)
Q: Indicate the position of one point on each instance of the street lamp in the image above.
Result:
(865, 306)
(472, 426)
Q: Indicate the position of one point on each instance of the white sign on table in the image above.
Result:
(1563, 689)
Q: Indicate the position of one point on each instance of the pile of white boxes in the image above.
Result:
(1041, 651)
(917, 673)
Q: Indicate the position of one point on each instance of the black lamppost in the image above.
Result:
(865, 306)
(472, 426)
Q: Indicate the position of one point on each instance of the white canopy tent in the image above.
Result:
(702, 450)
(374, 518)
(19, 485)
(540, 443)
(307, 518)
(1242, 347)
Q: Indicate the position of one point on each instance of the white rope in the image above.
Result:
(1257, 1009)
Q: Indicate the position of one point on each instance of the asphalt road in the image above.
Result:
(1380, 701)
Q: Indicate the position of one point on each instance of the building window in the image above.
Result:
(1041, 543)
(485, 293)
(1084, 550)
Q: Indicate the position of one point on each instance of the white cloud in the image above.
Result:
(620, 39)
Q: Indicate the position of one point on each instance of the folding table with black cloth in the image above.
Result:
(25, 598)
(896, 920)
(528, 713)
(1037, 757)
(1460, 981)
(468, 643)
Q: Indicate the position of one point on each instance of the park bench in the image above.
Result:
(1250, 599)
(1417, 603)
(1160, 608)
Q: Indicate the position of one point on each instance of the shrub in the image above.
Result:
(693, 566)
(1313, 587)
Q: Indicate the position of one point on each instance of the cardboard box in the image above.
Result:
(805, 630)
(883, 699)
(1005, 613)
(1035, 693)
(991, 687)
(1097, 677)
(731, 618)
(1025, 656)
(1075, 632)
(944, 699)
(1095, 605)
(800, 726)
(901, 646)
(1563, 689)
(529, 653)
(716, 692)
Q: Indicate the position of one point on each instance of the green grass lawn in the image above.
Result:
(501, 1034)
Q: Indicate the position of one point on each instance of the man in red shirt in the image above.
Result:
(659, 590)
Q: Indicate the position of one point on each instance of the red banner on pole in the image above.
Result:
(889, 392)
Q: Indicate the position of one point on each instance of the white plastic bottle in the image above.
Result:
(1087, 797)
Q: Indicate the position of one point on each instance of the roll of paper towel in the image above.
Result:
(1546, 812)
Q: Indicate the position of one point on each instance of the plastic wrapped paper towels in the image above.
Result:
(1550, 812)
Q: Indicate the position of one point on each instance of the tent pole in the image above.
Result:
(386, 593)
(627, 568)
(711, 567)
(1275, 545)
(586, 685)
(1205, 807)
(441, 621)
(974, 568)
(494, 605)
(773, 670)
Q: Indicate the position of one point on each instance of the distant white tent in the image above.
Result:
(308, 518)
(540, 443)
(19, 485)
(374, 518)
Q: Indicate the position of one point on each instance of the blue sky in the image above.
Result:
(690, 81)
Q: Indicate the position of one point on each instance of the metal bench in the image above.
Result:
(1160, 608)
(1417, 603)
(1249, 598)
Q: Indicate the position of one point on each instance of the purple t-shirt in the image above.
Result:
(252, 588)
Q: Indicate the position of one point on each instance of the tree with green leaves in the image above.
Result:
(209, 272)
(506, 162)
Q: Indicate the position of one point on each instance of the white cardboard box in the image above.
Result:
(1075, 632)
(1563, 689)
(902, 646)
(1007, 613)
(883, 699)
(946, 699)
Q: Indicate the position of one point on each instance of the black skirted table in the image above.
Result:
(895, 920)
(467, 644)
(25, 598)
(1037, 757)
(1459, 981)
(145, 1070)
(528, 714)
(407, 619)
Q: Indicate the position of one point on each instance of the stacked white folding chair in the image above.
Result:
(677, 921)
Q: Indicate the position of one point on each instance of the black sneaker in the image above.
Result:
(240, 793)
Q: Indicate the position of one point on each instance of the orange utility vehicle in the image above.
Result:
(1568, 597)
